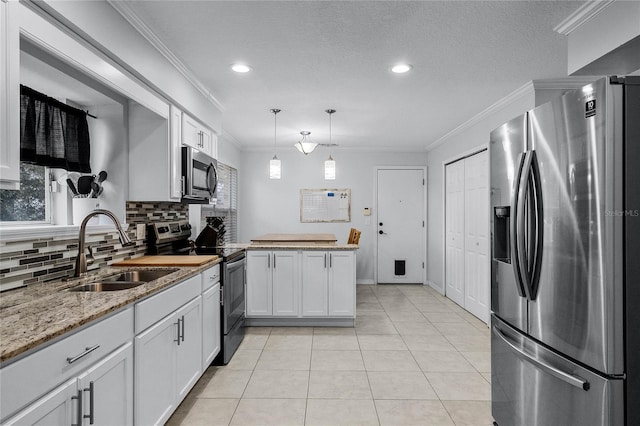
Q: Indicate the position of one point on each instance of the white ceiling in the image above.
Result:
(308, 56)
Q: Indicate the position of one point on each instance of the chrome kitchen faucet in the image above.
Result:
(81, 258)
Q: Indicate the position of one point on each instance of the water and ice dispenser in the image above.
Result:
(501, 233)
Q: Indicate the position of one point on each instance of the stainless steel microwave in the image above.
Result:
(199, 177)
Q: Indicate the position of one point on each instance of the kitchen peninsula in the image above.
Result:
(301, 280)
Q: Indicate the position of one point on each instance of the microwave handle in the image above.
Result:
(182, 184)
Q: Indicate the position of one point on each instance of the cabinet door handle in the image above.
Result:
(177, 340)
(274, 261)
(90, 415)
(87, 351)
(325, 261)
(78, 409)
(330, 260)
(268, 261)
(182, 335)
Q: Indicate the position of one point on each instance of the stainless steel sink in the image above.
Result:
(107, 286)
(123, 280)
(136, 276)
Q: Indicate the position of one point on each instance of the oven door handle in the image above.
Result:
(236, 264)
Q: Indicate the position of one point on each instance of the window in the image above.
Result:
(31, 202)
(226, 206)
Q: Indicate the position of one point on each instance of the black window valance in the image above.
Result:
(52, 133)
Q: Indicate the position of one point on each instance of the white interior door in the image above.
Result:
(401, 226)
(477, 291)
(454, 240)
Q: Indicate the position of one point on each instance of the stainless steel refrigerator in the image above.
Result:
(565, 292)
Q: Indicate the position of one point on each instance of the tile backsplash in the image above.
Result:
(23, 262)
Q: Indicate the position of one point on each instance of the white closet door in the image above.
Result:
(477, 292)
(454, 219)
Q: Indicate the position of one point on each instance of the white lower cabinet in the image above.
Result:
(342, 278)
(155, 378)
(315, 283)
(210, 325)
(104, 375)
(95, 389)
(328, 283)
(58, 407)
(285, 284)
(189, 348)
(292, 283)
(167, 363)
(272, 283)
(259, 283)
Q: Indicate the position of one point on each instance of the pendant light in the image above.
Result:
(305, 145)
(330, 164)
(275, 166)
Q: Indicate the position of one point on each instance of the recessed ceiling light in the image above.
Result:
(241, 68)
(401, 68)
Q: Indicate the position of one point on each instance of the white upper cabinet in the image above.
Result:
(10, 98)
(197, 136)
(154, 157)
(175, 155)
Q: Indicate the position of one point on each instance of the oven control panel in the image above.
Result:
(170, 231)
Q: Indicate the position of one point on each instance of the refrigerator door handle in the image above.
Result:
(538, 228)
(523, 236)
(571, 379)
(515, 214)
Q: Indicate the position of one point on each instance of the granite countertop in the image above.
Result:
(38, 313)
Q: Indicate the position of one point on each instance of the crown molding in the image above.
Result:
(226, 136)
(585, 12)
(138, 24)
(524, 90)
(566, 83)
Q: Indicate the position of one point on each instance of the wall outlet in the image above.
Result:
(141, 231)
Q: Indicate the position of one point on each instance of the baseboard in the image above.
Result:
(365, 281)
(435, 287)
(299, 322)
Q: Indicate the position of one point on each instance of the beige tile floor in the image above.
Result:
(413, 358)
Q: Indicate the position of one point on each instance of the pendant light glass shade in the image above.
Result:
(329, 169)
(330, 164)
(275, 166)
(305, 146)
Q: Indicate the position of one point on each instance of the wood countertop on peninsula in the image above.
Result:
(295, 238)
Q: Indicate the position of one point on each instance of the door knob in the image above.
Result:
(380, 223)
(380, 232)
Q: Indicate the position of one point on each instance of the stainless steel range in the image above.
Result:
(174, 238)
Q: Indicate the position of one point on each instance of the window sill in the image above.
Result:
(29, 232)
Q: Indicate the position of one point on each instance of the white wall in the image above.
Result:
(268, 206)
(103, 27)
(228, 152)
(607, 42)
(109, 149)
(474, 136)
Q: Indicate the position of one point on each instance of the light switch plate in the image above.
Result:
(141, 231)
